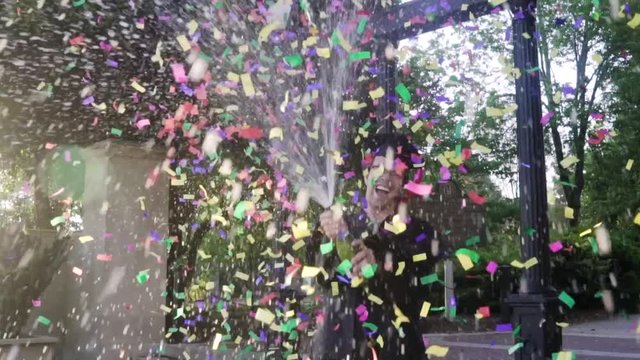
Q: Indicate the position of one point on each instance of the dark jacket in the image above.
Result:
(343, 333)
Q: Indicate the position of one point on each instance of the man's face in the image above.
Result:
(384, 186)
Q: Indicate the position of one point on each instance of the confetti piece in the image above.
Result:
(77, 271)
(400, 269)
(531, 262)
(429, 279)
(636, 219)
(517, 264)
(546, 118)
(57, 221)
(403, 92)
(43, 320)
(247, 85)
(242, 276)
(309, 272)
(344, 267)
(424, 311)
(492, 266)
(556, 246)
(504, 327)
(184, 43)
(324, 52)
(265, 316)
(633, 23)
(437, 351)
(352, 105)
(568, 161)
(567, 299)
(476, 198)
(480, 148)
(484, 311)
(419, 257)
(629, 165)
(369, 271)
(142, 277)
(515, 348)
(326, 248)
(465, 261)
(568, 213)
(377, 93)
(419, 189)
(361, 55)
(139, 88)
(294, 60)
(563, 355)
(276, 132)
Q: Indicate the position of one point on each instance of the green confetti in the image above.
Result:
(516, 331)
(515, 348)
(143, 276)
(57, 221)
(530, 231)
(368, 271)
(453, 311)
(429, 279)
(370, 326)
(44, 321)
(345, 266)
(555, 356)
(567, 299)
(361, 55)
(459, 126)
(362, 25)
(440, 308)
(79, 3)
(294, 60)
(458, 150)
(403, 92)
(532, 70)
(326, 248)
(116, 132)
(594, 245)
(474, 240)
(598, 295)
(238, 212)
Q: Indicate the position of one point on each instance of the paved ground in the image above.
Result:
(610, 339)
(598, 340)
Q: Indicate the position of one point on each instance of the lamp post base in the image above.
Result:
(536, 315)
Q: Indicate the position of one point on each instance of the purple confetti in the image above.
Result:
(504, 327)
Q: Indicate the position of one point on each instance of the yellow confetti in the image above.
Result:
(568, 212)
(568, 161)
(465, 261)
(139, 88)
(597, 58)
(480, 148)
(636, 219)
(437, 351)
(267, 30)
(531, 262)
(633, 23)
(192, 26)
(335, 290)
(309, 272)
(352, 105)
(377, 93)
(562, 324)
(299, 169)
(400, 269)
(374, 299)
(424, 311)
(417, 126)
(324, 52)
(241, 276)
(629, 165)
(276, 132)
(183, 42)
(419, 257)
(265, 316)
(585, 233)
(247, 85)
(85, 239)
(517, 264)
(565, 355)
(298, 245)
(494, 112)
(231, 76)
(217, 340)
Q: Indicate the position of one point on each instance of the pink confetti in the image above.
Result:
(104, 257)
(179, 73)
(50, 146)
(77, 271)
(142, 123)
(556, 246)
(476, 198)
(419, 189)
(445, 174)
(546, 118)
(492, 266)
(36, 302)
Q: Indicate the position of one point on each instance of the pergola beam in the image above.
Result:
(417, 17)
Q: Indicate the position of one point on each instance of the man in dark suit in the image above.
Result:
(373, 311)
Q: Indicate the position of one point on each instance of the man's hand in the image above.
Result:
(363, 256)
(332, 226)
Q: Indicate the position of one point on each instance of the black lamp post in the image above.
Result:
(535, 306)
